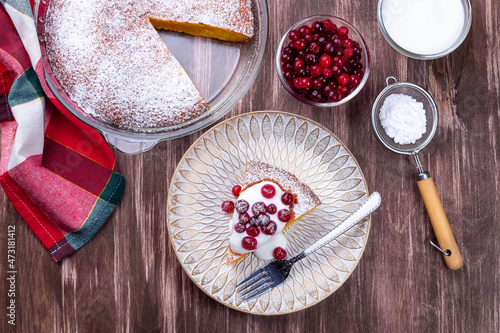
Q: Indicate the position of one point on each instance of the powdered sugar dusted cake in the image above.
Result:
(271, 200)
(111, 61)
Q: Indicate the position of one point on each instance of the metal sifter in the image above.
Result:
(447, 244)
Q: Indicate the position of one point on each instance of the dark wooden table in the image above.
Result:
(128, 278)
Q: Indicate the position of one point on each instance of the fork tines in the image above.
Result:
(261, 281)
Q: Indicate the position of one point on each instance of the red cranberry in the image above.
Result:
(299, 44)
(321, 40)
(318, 82)
(316, 70)
(339, 60)
(354, 81)
(336, 70)
(253, 231)
(236, 190)
(359, 72)
(244, 218)
(349, 52)
(270, 228)
(242, 206)
(287, 198)
(304, 30)
(343, 79)
(301, 54)
(327, 72)
(318, 27)
(337, 42)
(268, 191)
(330, 26)
(306, 84)
(263, 219)
(289, 50)
(239, 228)
(326, 89)
(308, 39)
(315, 96)
(271, 209)
(284, 215)
(325, 60)
(303, 72)
(249, 243)
(259, 208)
(286, 67)
(330, 48)
(347, 43)
(298, 64)
(343, 31)
(286, 58)
(345, 90)
(279, 253)
(314, 48)
(253, 221)
(334, 96)
(289, 74)
(294, 35)
(297, 83)
(228, 206)
(311, 59)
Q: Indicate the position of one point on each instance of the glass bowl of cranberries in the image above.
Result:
(323, 61)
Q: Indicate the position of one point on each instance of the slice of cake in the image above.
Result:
(271, 201)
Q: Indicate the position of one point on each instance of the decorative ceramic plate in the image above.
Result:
(199, 229)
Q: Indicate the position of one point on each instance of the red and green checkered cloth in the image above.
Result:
(59, 174)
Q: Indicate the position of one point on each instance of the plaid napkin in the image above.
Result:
(60, 174)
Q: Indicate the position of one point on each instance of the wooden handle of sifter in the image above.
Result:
(439, 220)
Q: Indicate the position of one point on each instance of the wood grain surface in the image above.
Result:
(127, 278)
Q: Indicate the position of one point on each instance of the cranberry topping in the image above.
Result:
(249, 243)
(253, 231)
(284, 215)
(263, 219)
(253, 221)
(259, 208)
(279, 253)
(236, 190)
(227, 206)
(239, 228)
(287, 198)
(244, 218)
(268, 191)
(242, 206)
(271, 209)
(270, 228)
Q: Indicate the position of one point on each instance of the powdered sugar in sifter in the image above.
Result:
(446, 240)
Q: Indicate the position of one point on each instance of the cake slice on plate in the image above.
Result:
(270, 201)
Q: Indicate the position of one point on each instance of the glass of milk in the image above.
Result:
(424, 29)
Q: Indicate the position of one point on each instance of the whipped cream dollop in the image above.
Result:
(265, 243)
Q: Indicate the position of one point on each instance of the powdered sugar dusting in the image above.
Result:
(306, 199)
(113, 64)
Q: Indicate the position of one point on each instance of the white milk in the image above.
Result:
(424, 26)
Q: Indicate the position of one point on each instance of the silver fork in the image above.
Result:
(277, 271)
